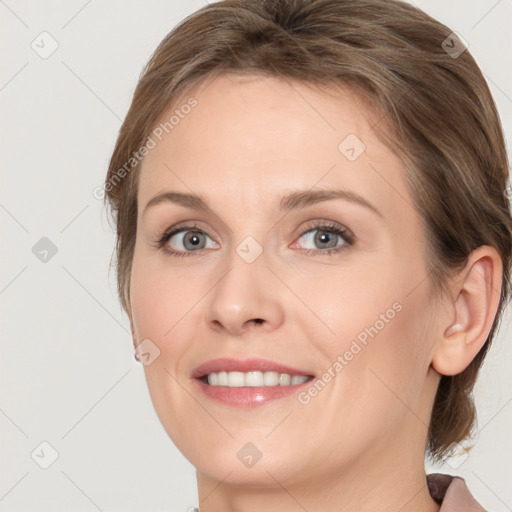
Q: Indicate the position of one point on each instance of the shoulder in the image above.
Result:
(452, 493)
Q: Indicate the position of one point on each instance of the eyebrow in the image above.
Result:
(292, 201)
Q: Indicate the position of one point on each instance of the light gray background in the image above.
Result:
(67, 373)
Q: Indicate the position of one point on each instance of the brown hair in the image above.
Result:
(436, 112)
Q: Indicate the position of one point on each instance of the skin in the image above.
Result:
(359, 444)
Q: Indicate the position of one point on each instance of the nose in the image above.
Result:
(245, 297)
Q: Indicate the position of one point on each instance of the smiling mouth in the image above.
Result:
(253, 379)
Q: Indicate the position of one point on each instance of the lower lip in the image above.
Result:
(248, 397)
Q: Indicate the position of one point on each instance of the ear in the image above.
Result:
(475, 300)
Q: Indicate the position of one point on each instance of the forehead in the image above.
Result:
(249, 139)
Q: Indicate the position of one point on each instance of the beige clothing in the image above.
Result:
(452, 493)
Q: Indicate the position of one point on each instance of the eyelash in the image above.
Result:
(325, 226)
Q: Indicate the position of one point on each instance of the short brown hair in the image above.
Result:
(436, 112)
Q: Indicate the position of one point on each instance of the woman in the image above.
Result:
(313, 248)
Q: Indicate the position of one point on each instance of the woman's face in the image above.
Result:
(333, 286)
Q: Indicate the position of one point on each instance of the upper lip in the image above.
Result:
(245, 365)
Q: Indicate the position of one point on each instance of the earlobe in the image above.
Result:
(476, 296)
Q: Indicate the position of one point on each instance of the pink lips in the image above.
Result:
(246, 397)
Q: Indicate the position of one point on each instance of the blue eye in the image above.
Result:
(325, 239)
(186, 240)
(320, 239)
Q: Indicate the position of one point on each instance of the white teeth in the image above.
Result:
(285, 379)
(254, 378)
(236, 379)
(298, 379)
(270, 379)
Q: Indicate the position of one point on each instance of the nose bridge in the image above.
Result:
(245, 292)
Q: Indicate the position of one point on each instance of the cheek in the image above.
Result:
(389, 350)
(161, 297)
(373, 327)
(345, 298)
(162, 308)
